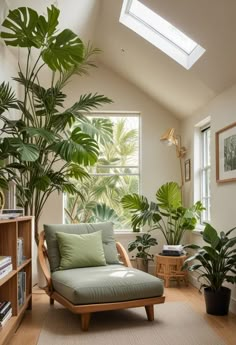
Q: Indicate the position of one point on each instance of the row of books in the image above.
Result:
(5, 312)
(5, 265)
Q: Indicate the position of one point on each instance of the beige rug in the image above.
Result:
(175, 324)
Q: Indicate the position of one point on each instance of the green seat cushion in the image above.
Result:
(80, 250)
(108, 240)
(103, 284)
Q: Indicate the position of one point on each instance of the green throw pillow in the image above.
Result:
(80, 250)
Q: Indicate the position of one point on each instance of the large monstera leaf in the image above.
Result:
(25, 28)
(64, 51)
(79, 148)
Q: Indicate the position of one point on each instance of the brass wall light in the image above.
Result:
(169, 138)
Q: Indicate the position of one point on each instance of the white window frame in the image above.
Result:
(205, 171)
(137, 23)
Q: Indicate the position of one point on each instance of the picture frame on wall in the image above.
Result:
(187, 170)
(226, 154)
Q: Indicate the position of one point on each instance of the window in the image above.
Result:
(205, 171)
(160, 33)
(115, 174)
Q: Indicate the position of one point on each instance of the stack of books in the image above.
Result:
(172, 250)
(5, 265)
(5, 312)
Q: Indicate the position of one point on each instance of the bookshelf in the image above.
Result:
(10, 231)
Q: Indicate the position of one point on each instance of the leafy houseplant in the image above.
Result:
(44, 152)
(215, 262)
(168, 215)
(143, 243)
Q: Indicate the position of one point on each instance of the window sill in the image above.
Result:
(198, 229)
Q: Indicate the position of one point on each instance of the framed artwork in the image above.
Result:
(187, 170)
(226, 154)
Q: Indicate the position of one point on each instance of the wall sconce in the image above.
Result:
(169, 138)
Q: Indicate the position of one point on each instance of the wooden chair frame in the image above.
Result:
(86, 310)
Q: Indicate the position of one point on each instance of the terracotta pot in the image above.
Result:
(217, 302)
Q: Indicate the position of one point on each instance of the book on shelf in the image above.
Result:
(21, 288)
(4, 260)
(4, 309)
(6, 318)
(20, 251)
(5, 271)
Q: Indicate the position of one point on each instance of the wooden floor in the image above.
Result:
(29, 330)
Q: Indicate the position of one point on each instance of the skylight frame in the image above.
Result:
(185, 57)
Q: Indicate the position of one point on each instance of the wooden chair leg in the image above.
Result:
(85, 319)
(150, 312)
(51, 301)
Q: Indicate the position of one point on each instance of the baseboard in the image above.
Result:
(193, 280)
(232, 306)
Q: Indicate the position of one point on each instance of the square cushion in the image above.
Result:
(104, 284)
(80, 250)
(108, 240)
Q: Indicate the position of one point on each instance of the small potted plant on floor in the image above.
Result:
(215, 262)
(143, 243)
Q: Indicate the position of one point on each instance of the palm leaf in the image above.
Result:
(169, 196)
(7, 98)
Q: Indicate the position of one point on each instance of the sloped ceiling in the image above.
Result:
(211, 23)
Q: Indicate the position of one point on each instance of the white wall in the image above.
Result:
(222, 112)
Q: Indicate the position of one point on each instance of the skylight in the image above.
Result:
(160, 33)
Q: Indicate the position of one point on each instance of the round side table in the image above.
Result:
(169, 267)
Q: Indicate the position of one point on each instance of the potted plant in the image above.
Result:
(42, 148)
(215, 262)
(168, 214)
(142, 244)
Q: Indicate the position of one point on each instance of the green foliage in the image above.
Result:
(143, 243)
(215, 261)
(168, 214)
(102, 193)
(42, 153)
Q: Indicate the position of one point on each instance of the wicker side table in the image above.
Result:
(169, 267)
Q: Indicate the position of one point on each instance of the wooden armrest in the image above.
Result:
(123, 254)
(42, 255)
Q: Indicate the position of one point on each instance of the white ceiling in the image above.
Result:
(210, 23)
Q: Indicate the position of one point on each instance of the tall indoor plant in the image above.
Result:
(168, 214)
(42, 152)
(215, 262)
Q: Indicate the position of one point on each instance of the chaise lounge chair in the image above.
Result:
(103, 281)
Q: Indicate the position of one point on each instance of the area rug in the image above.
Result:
(175, 324)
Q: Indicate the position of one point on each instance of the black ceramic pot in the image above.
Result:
(217, 302)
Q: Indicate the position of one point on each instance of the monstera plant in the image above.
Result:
(41, 151)
(168, 214)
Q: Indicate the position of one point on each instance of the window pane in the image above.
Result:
(115, 174)
(205, 174)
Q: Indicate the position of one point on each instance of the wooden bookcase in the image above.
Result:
(10, 231)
